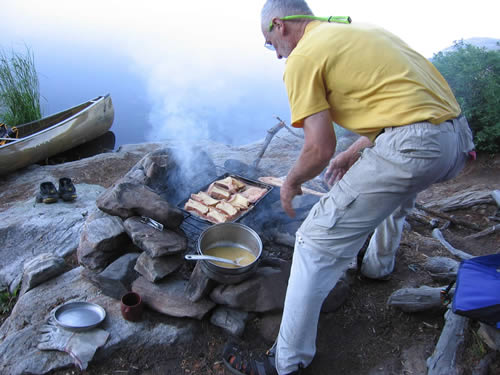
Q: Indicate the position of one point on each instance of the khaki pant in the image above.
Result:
(377, 192)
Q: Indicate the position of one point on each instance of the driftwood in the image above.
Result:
(444, 359)
(436, 233)
(493, 229)
(442, 268)
(490, 336)
(270, 134)
(449, 218)
(495, 194)
(463, 200)
(417, 299)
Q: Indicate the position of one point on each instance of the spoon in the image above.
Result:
(235, 262)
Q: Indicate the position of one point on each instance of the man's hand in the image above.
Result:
(341, 163)
(338, 167)
(287, 193)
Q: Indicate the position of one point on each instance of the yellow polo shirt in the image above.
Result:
(368, 78)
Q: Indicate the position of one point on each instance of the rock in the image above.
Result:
(230, 320)
(39, 269)
(154, 242)
(269, 326)
(265, 291)
(338, 294)
(490, 335)
(103, 240)
(19, 336)
(168, 297)
(199, 285)
(28, 229)
(117, 278)
(155, 269)
(126, 199)
(442, 268)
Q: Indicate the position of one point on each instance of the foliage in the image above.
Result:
(7, 300)
(473, 74)
(19, 88)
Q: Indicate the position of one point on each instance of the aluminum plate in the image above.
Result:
(79, 316)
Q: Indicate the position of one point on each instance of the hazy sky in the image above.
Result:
(199, 67)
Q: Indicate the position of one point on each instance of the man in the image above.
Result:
(370, 82)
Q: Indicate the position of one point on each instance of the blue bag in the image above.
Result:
(477, 291)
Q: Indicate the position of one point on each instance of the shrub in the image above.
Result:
(473, 74)
(19, 89)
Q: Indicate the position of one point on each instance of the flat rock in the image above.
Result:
(125, 199)
(154, 242)
(169, 297)
(230, 320)
(155, 269)
(264, 291)
(39, 269)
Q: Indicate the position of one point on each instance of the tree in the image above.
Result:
(19, 89)
(473, 74)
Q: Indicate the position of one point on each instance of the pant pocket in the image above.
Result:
(326, 213)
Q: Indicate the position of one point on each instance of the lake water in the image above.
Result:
(75, 77)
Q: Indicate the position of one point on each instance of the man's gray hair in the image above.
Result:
(282, 8)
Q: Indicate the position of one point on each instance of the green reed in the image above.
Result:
(19, 88)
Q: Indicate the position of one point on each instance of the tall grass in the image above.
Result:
(19, 88)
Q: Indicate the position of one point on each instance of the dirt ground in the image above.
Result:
(364, 336)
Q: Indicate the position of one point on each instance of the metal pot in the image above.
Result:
(232, 235)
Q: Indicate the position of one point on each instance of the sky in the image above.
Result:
(197, 69)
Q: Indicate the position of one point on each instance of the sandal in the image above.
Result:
(236, 365)
(47, 193)
(67, 190)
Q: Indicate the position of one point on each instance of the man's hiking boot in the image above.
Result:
(47, 193)
(67, 190)
(235, 363)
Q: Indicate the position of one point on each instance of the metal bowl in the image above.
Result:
(232, 235)
(79, 316)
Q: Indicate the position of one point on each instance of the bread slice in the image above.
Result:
(230, 184)
(196, 207)
(239, 202)
(227, 209)
(204, 198)
(216, 216)
(218, 193)
(253, 194)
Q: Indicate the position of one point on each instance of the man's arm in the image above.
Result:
(319, 147)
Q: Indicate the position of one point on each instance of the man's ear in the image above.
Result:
(278, 24)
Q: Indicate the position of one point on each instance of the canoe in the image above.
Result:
(41, 139)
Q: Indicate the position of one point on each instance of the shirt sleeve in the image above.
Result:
(307, 93)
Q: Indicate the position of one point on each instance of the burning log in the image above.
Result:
(436, 233)
(444, 359)
(417, 299)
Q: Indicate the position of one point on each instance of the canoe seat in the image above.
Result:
(7, 134)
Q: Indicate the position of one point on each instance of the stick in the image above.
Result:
(450, 218)
(484, 233)
(270, 134)
(276, 181)
(436, 233)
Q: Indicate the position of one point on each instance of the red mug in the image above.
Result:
(131, 307)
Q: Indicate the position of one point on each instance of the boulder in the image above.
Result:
(28, 229)
(102, 241)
